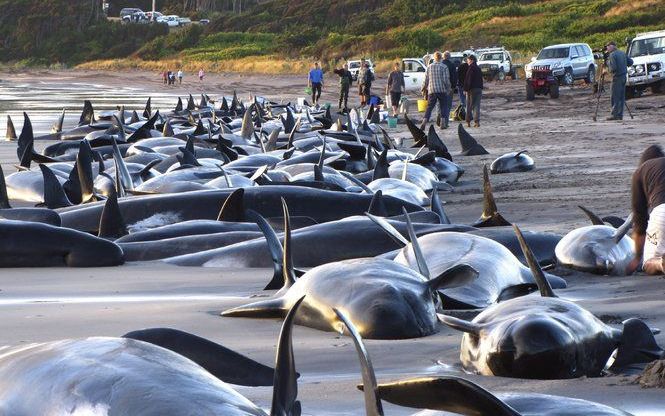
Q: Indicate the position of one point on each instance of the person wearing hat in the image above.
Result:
(617, 64)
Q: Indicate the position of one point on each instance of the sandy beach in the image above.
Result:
(578, 162)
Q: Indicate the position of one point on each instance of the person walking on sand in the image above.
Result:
(452, 71)
(617, 64)
(365, 78)
(315, 82)
(201, 75)
(436, 87)
(345, 81)
(461, 76)
(165, 78)
(395, 87)
(180, 74)
(648, 206)
(473, 86)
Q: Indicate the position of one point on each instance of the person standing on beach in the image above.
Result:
(315, 82)
(362, 78)
(180, 74)
(452, 71)
(345, 81)
(461, 76)
(648, 205)
(395, 87)
(473, 86)
(201, 75)
(436, 87)
(617, 64)
(165, 77)
(169, 74)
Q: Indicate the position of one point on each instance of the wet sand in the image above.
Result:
(577, 162)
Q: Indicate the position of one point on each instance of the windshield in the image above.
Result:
(554, 53)
(491, 57)
(354, 65)
(652, 46)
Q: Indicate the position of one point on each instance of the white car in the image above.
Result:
(647, 51)
(495, 63)
(414, 74)
(170, 20)
(354, 67)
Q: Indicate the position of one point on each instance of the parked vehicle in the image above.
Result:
(541, 81)
(414, 73)
(183, 21)
(171, 20)
(156, 17)
(354, 67)
(495, 63)
(568, 62)
(648, 70)
(204, 21)
(136, 17)
(128, 11)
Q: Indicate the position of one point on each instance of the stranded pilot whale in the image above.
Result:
(545, 337)
(384, 299)
(512, 162)
(126, 376)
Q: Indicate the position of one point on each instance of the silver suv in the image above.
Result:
(568, 62)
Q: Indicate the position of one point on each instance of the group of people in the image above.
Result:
(441, 78)
(365, 79)
(169, 77)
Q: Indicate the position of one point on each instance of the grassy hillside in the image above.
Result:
(284, 35)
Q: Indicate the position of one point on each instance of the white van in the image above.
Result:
(648, 53)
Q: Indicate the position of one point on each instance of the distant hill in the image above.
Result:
(283, 35)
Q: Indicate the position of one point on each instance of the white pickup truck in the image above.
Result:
(414, 73)
(648, 53)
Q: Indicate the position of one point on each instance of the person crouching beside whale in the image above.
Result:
(648, 205)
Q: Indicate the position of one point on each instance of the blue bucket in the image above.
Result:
(392, 122)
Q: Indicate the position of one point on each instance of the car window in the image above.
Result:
(652, 46)
(580, 51)
(491, 56)
(354, 65)
(554, 53)
(587, 50)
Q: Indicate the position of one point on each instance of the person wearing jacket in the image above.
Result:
(445, 112)
(436, 87)
(315, 82)
(395, 87)
(617, 64)
(473, 86)
(345, 81)
(461, 76)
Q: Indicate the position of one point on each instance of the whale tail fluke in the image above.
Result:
(636, 345)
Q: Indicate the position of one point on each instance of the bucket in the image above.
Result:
(392, 122)
(422, 106)
(308, 90)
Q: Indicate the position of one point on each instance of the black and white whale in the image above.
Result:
(513, 162)
(546, 337)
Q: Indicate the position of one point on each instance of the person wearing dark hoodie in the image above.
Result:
(648, 206)
(473, 86)
(461, 76)
(345, 81)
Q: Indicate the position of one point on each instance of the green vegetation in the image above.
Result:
(283, 31)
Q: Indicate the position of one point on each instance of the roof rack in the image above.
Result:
(656, 32)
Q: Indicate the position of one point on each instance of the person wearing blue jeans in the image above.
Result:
(618, 66)
(436, 87)
(447, 108)
(461, 76)
(316, 82)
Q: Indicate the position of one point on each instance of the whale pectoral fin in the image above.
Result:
(456, 276)
(636, 344)
(285, 392)
(516, 291)
(271, 308)
(447, 393)
(221, 362)
(233, 208)
(459, 324)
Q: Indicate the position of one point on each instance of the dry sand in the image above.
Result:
(578, 162)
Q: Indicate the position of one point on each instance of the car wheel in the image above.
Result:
(590, 76)
(630, 93)
(657, 87)
(567, 78)
(554, 90)
(530, 92)
(501, 76)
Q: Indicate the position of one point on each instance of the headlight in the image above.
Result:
(654, 66)
(557, 65)
(527, 67)
(494, 66)
(639, 69)
(631, 70)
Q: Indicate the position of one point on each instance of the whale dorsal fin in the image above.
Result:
(111, 223)
(272, 139)
(190, 103)
(233, 209)
(135, 117)
(147, 111)
(543, 284)
(199, 130)
(373, 405)
(292, 134)
(224, 106)
(435, 144)
(4, 198)
(623, 230)
(376, 205)
(285, 385)
(221, 362)
(437, 207)
(84, 160)
(521, 152)
(87, 115)
(167, 130)
(26, 141)
(121, 168)
(470, 146)
(356, 181)
(447, 393)
(389, 229)
(419, 137)
(381, 167)
(490, 216)
(187, 158)
(415, 246)
(57, 127)
(455, 276)
(11, 131)
(54, 194)
(595, 219)
(178, 107)
(459, 324)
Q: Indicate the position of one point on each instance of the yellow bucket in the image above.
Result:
(422, 105)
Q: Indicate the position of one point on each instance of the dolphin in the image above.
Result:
(512, 162)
